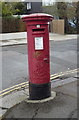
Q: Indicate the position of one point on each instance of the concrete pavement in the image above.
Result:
(64, 105)
(21, 38)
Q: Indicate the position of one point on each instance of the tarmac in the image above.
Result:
(64, 104)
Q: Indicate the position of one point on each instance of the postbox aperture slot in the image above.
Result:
(38, 30)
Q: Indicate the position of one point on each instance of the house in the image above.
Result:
(33, 7)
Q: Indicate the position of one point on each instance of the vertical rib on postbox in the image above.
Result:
(38, 55)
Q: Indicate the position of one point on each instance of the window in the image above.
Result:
(28, 6)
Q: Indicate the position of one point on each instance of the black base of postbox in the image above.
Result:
(39, 91)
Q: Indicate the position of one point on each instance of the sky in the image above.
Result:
(50, 1)
(45, 2)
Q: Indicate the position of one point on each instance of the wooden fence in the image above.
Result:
(13, 25)
(57, 26)
(17, 25)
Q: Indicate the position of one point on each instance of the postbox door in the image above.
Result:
(39, 66)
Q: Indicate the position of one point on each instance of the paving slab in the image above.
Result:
(11, 100)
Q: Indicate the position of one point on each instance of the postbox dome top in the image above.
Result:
(37, 16)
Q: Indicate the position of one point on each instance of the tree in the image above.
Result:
(10, 8)
(0, 9)
(66, 11)
(71, 10)
(62, 13)
(50, 9)
(6, 9)
(19, 7)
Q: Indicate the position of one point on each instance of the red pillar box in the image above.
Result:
(38, 55)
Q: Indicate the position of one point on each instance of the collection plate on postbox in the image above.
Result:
(39, 43)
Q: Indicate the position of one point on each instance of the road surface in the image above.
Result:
(63, 57)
